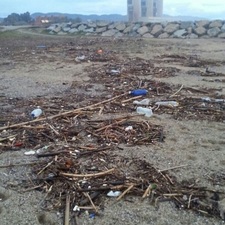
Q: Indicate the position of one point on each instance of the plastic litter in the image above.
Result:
(30, 153)
(145, 101)
(128, 128)
(80, 58)
(146, 111)
(138, 92)
(206, 99)
(36, 113)
(91, 215)
(114, 194)
(114, 72)
(168, 103)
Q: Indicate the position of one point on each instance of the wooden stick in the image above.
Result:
(172, 168)
(63, 114)
(147, 191)
(124, 193)
(177, 91)
(92, 203)
(88, 175)
(67, 210)
(130, 99)
(110, 125)
(49, 164)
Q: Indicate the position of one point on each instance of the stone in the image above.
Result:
(120, 27)
(82, 27)
(75, 25)
(74, 30)
(202, 23)
(216, 23)
(189, 30)
(66, 29)
(61, 33)
(157, 30)
(223, 28)
(57, 29)
(109, 33)
(192, 36)
(222, 35)
(101, 29)
(143, 30)
(148, 35)
(92, 25)
(128, 29)
(164, 35)
(102, 23)
(136, 27)
(179, 33)
(90, 30)
(171, 28)
(186, 24)
(119, 34)
(200, 31)
(112, 26)
(213, 32)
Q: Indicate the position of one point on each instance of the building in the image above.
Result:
(143, 10)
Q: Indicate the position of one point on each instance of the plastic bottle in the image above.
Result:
(138, 92)
(36, 113)
(168, 103)
(145, 101)
(146, 111)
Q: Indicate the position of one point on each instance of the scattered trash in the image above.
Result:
(114, 194)
(206, 99)
(168, 103)
(99, 51)
(92, 215)
(128, 128)
(80, 58)
(145, 101)
(76, 208)
(41, 46)
(30, 153)
(36, 113)
(138, 92)
(146, 111)
(114, 72)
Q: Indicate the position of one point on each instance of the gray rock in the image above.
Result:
(186, 24)
(148, 35)
(171, 28)
(223, 28)
(92, 25)
(202, 23)
(62, 33)
(157, 30)
(136, 27)
(75, 25)
(143, 30)
(52, 27)
(90, 30)
(164, 35)
(57, 29)
(216, 23)
(179, 33)
(82, 27)
(74, 30)
(222, 35)
(102, 23)
(112, 26)
(213, 32)
(200, 31)
(109, 33)
(192, 36)
(120, 27)
(189, 30)
(119, 34)
(128, 29)
(66, 29)
(101, 29)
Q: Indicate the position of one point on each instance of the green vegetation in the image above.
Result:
(18, 19)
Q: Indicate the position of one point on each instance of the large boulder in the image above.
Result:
(216, 23)
(192, 36)
(73, 30)
(102, 23)
(109, 33)
(223, 28)
(136, 27)
(157, 30)
(164, 35)
(120, 26)
(180, 33)
(222, 35)
(200, 31)
(92, 24)
(148, 35)
(186, 24)
(101, 29)
(82, 27)
(213, 32)
(202, 23)
(128, 29)
(171, 28)
(143, 30)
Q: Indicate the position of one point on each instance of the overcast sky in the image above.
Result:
(201, 8)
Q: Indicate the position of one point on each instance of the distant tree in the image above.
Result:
(16, 19)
